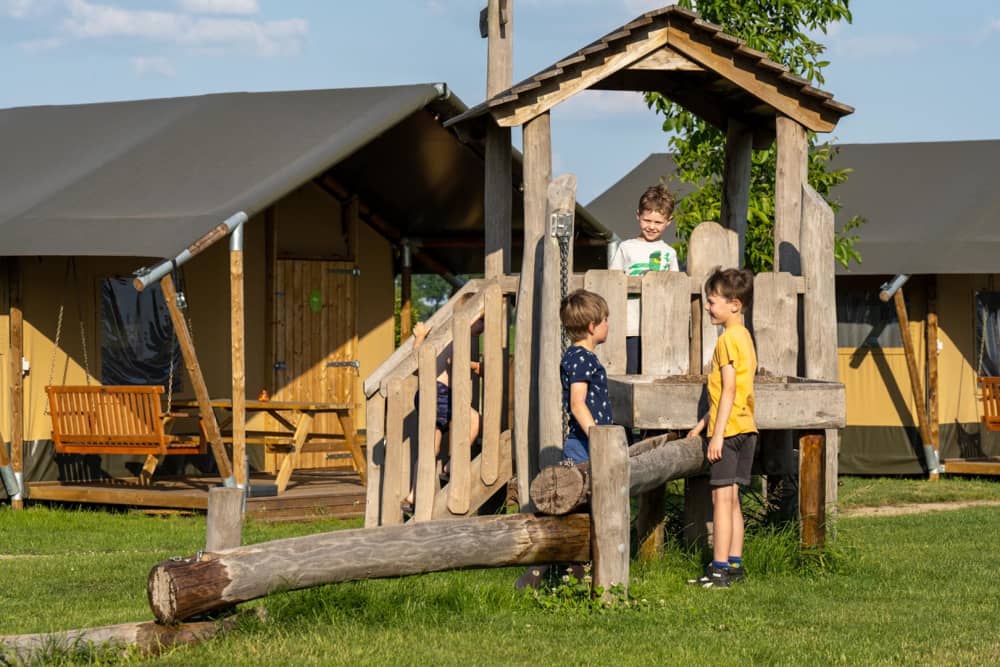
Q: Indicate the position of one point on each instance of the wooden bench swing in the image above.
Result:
(989, 388)
(114, 419)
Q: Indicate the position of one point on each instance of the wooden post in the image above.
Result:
(559, 222)
(916, 386)
(736, 181)
(613, 286)
(499, 175)
(396, 476)
(537, 173)
(932, 380)
(238, 338)
(791, 175)
(375, 410)
(16, 354)
(649, 523)
(224, 523)
(494, 380)
(819, 313)
(424, 486)
(665, 324)
(197, 380)
(405, 292)
(180, 589)
(460, 445)
(609, 508)
(812, 467)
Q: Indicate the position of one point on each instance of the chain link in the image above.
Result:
(52, 363)
(563, 234)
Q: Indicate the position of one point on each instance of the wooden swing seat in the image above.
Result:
(116, 420)
(990, 388)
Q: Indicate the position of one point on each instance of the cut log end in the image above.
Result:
(560, 489)
(170, 604)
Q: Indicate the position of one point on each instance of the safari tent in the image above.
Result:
(335, 183)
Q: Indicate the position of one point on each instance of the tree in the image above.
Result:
(783, 29)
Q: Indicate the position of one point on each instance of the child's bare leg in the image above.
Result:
(473, 424)
(736, 545)
(722, 516)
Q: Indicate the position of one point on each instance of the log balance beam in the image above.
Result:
(182, 589)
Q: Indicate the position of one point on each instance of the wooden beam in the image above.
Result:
(237, 327)
(197, 379)
(769, 87)
(375, 412)
(224, 522)
(550, 94)
(405, 292)
(498, 204)
(916, 386)
(537, 174)
(181, 589)
(736, 181)
(609, 509)
(932, 376)
(819, 311)
(14, 357)
(666, 60)
(812, 489)
(791, 175)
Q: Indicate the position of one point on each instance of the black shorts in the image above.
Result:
(736, 462)
(442, 405)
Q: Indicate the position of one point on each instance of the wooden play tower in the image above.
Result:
(755, 102)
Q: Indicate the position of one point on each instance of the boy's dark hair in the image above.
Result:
(658, 199)
(731, 284)
(578, 310)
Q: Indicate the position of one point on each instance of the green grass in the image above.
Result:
(879, 491)
(916, 589)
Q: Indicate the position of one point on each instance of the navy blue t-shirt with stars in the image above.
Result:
(581, 365)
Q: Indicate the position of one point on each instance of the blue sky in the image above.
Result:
(916, 71)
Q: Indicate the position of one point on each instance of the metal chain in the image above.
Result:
(52, 363)
(563, 233)
(86, 360)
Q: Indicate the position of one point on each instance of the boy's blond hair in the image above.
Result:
(578, 310)
(731, 284)
(657, 199)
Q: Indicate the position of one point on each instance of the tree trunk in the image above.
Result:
(561, 489)
(181, 589)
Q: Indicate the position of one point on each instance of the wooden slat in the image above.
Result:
(710, 246)
(775, 321)
(396, 458)
(664, 327)
(790, 175)
(494, 372)
(375, 418)
(426, 433)
(460, 445)
(612, 286)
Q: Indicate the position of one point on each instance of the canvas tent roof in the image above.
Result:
(146, 178)
(931, 207)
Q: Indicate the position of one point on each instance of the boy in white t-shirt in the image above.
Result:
(646, 252)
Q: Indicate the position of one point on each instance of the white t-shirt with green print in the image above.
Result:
(635, 257)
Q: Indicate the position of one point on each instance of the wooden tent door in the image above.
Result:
(315, 349)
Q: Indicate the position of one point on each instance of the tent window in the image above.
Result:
(988, 333)
(863, 320)
(137, 336)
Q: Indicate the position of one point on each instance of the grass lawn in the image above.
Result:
(916, 589)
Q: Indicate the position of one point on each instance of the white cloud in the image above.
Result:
(598, 103)
(39, 45)
(20, 9)
(207, 35)
(244, 7)
(154, 66)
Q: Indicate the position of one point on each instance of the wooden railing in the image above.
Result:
(401, 421)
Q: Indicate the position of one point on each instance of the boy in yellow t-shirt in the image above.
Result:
(730, 421)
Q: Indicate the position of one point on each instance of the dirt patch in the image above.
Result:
(917, 508)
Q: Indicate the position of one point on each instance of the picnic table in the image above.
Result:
(295, 420)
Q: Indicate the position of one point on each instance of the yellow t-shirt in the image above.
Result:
(734, 346)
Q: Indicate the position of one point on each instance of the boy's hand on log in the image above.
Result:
(715, 449)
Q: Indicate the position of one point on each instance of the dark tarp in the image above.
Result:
(932, 208)
(146, 178)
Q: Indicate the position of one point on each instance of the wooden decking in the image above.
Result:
(987, 465)
(311, 494)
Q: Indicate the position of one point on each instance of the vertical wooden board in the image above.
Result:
(494, 371)
(461, 402)
(790, 175)
(394, 486)
(426, 433)
(375, 414)
(613, 286)
(710, 246)
(819, 308)
(666, 321)
(550, 412)
(736, 181)
(775, 317)
(812, 486)
(609, 507)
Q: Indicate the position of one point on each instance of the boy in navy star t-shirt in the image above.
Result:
(584, 316)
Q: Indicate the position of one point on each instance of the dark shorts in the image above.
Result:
(443, 417)
(633, 355)
(576, 450)
(736, 462)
